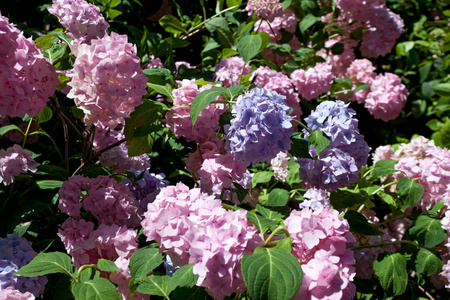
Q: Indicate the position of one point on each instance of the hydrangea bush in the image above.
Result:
(225, 150)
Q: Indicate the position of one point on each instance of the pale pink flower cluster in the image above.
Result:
(230, 70)
(154, 63)
(320, 240)
(178, 118)
(313, 82)
(286, 21)
(122, 280)
(15, 161)
(361, 70)
(445, 274)
(387, 97)
(107, 82)
(192, 227)
(109, 201)
(27, 79)
(86, 245)
(280, 165)
(315, 199)
(117, 158)
(10, 293)
(266, 9)
(272, 80)
(423, 161)
(82, 19)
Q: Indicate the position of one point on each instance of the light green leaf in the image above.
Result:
(261, 223)
(157, 285)
(271, 273)
(383, 168)
(48, 263)
(308, 21)
(165, 89)
(278, 197)
(96, 289)
(7, 128)
(392, 273)
(442, 89)
(249, 46)
(171, 24)
(144, 261)
(183, 277)
(261, 177)
(107, 265)
(201, 101)
(410, 192)
(45, 115)
(49, 184)
(215, 23)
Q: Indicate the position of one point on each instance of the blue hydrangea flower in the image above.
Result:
(16, 252)
(261, 127)
(339, 164)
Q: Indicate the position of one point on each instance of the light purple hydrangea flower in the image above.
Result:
(338, 165)
(261, 127)
(16, 252)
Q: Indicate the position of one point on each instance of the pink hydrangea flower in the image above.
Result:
(107, 83)
(230, 70)
(387, 97)
(313, 82)
(266, 9)
(27, 79)
(154, 63)
(117, 158)
(122, 280)
(10, 293)
(361, 70)
(82, 19)
(109, 201)
(320, 243)
(15, 161)
(178, 118)
(357, 9)
(280, 165)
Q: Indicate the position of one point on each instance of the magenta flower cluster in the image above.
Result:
(320, 243)
(16, 252)
(339, 164)
(82, 19)
(107, 81)
(27, 79)
(15, 161)
(192, 227)
(261, 126)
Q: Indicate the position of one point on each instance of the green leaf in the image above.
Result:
(265, 40)
(49, 184)
(171, 24)
(341, 199)
(96, 289)
(183, 277)
(249, 46)
(293, 175)
(271, 273)
(445, 134)
(300, 146)
(45, 115)
(261, 177)
(195, 293)
(215, 23)
(48, 263)
(308, 21)
(144, 261)
(201, 101)
(392, 273)
(383, 168)
(158, 76)
(226, 38)
(278, 197)
(319, 140)
(53, 171)
(285, 243)
(442, 89)
(157, 285)
(7, 128)
(359, 224)
(428, 231)
(428, 263)
(410, 192)
(261, 223)
(107, 265)
(286, 4)
(165, 89)
(57, 51)
(273, 213)
(88, 274)
(143, 115)
(388, 199)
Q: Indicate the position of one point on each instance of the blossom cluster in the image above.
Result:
(338, 165)
(15, 161)
(261, 126)
(192, 227)
(107, 81)
(313, 82)
(266, 9)
(230, 70)
(16, 252)
(27, 78)
(320, 239)
(82, 19)
(178, 118)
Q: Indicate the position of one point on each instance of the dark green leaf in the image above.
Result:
(226, 38)
(48, 263)
(96, 289)
(300, 146)
(171, 24)
(359, 224)
(445, 134)
(195, 293)
(383, 168)
(261, 223)
(215, 23)
(45, 115)
(265, 40)
(428, 263)
(271, 273)
(272, 213)
(428, 231)
(249, 46)
(144, 261)
(278, 197)
(158, 75)
(410, 192)
(341, 199)
(319, 140)
(392, 273)
(146, 113)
